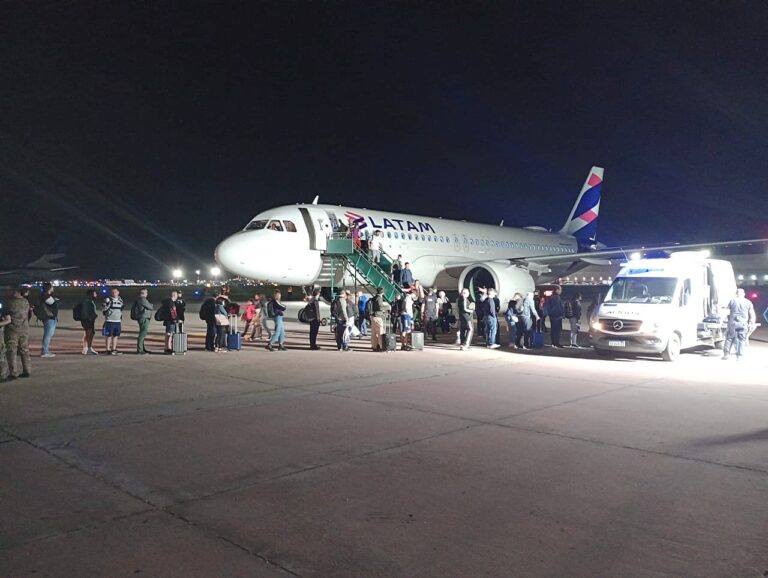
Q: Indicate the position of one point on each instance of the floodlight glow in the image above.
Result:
(215, 271)
(635, 256)
(705, 253)
(178, 273)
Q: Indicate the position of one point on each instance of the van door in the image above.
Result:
(690, 312)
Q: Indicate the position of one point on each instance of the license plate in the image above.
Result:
(614, 343)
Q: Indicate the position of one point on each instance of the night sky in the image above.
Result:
(141, 133)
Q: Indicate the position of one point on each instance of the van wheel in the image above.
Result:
(672, 352)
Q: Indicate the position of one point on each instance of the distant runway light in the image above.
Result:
(178, 273)
(215, 271)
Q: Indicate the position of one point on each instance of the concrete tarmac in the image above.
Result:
(433, 463)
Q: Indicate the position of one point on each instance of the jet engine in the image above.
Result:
(506, 279)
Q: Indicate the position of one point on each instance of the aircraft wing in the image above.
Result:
(608, 253)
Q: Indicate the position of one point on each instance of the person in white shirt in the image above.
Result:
(376, 245)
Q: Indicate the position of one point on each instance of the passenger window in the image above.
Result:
(389, 234)
(256, 225)
(275, 226)
(289, 226)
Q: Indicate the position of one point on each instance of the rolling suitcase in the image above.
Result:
(234, 339)
(417, 340)
(179, 340)
(390, 339)
(537, 342)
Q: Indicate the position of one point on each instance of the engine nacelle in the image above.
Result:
(506, 279)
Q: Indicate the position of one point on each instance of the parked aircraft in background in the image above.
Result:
(45, 268)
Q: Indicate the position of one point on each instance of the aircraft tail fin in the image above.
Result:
(582, 222)
(51, 257)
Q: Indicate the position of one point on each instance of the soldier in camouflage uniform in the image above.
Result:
(17, 334)
(5, 319)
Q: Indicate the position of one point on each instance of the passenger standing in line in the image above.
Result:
(554, 310)
(278, 313)
(313, 315)
(397, 268)
(376, 246)
(418, 293)
(340, 313)
(222, 324)
(265, 318)
(48, 313)
(379, 311)
(5, 319)
(208, 314)
(445, 309)
(572, 309)
(17, 333)
(512, 319)
(466, 308)
(406, 276)
(351, 316)
(529, 317)
(482, 312)
(491, 320)
(362, 320)
(394, 313)
(88, 317)
(141, 311)
(741, 319)
(113, 321)
(430, 313)
(540, 301)
(169, 315)
(406, 322)
(248, 317)
(181, 308)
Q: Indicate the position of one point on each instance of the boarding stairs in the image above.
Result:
(341, 255)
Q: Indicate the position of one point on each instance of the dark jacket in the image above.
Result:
(466, 307)
(146, 308)
(553, 308)
(88, 310)
(406, 277)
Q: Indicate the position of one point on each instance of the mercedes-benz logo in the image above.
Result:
(618, 325)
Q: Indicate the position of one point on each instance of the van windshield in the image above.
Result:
(642, 290)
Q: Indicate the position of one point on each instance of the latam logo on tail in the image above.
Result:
(394, 224)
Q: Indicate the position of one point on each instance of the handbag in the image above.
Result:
(221, 320)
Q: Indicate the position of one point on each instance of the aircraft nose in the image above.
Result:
(230, 252)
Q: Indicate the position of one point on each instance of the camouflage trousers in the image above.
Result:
(3, 361)
(17, 345)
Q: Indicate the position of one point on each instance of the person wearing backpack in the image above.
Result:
(362, 319)
(340, 312)
(379, 312)
(113, 321)
(277, 311)
(141, 312)
(47, 311)
(17, 333)
(512, 318)
(208, 314)
(572, 310)
(553, 308)
(85, 312)
(312, 314)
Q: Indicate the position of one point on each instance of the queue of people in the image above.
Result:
(357, 315)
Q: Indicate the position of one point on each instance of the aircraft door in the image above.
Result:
(318, 226)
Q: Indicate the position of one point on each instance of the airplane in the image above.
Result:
(46, 268)
(285, 245)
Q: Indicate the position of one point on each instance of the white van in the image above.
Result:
(663, 306)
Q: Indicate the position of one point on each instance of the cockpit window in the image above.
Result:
(275, 226)
(256, 225)
(289, 226)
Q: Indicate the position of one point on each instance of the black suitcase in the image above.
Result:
(390, 339)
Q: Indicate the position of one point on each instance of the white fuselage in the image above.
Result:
(433, 246)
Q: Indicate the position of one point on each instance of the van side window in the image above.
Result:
(289, 226)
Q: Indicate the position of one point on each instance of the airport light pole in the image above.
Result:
(197, 272)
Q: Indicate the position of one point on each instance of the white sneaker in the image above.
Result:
(92, 352)
(494, 346)
(48, 355)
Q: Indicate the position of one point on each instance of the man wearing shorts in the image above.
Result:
(113, 320)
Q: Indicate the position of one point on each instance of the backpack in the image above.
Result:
(207, 310)
(309, 312)
(136, 310)
(42, 311)
(77, 312)
(159, 314)
(369, 308)
(568, 309)
(271, 309)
